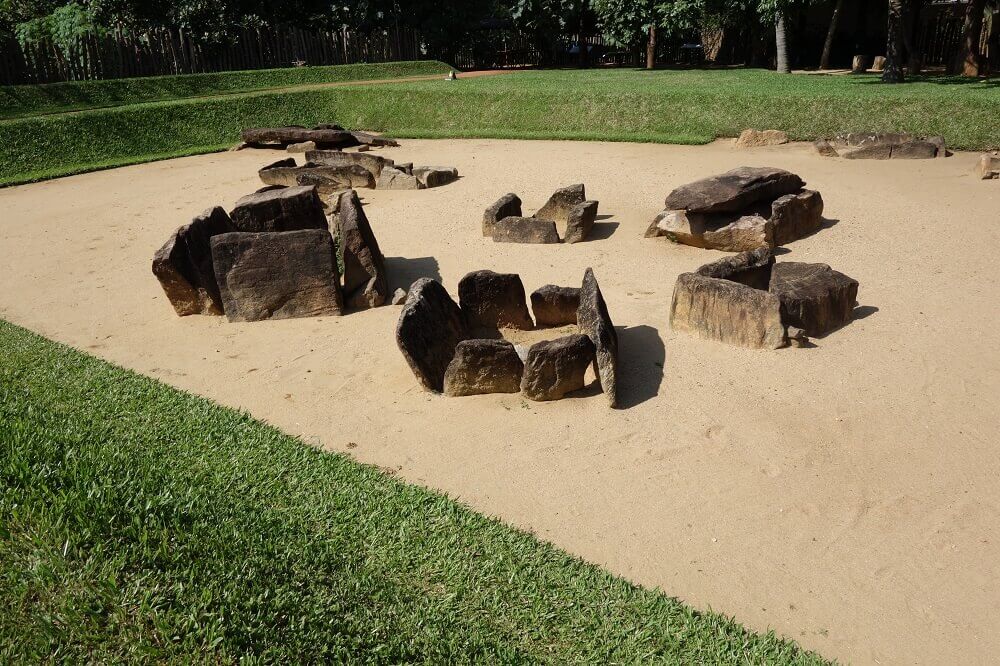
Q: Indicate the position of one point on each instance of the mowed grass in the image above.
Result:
(33, 100)
(141, 523)
(603, 104)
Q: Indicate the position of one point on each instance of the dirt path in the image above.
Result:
(844, 495)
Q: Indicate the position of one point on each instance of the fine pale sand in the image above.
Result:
(846, 495)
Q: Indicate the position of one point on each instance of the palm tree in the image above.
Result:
(893, 72)
(824, 60)
(781, 41)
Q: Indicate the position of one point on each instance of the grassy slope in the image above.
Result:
(23, 101)
(143, 522)
(619, 105)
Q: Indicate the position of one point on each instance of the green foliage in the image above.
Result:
(627, 22)
(142, 524)
(19, 101)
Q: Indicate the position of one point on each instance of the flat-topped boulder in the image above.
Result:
(365, 282)
(429, 329)
(509, 205)
(888, 145)
(557, 367)
(372, 163)
(594, 322)
(483, 366)
(494, 301)
(561, 203)
(814, 297)
(554, 305)
(323, 136)
(328, 177)
(183, 265)
(277, 275)
(525, 230)
(733, 191)
(279, 209)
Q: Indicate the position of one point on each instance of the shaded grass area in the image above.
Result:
(143, 523)
(616, 105)
(31, 100)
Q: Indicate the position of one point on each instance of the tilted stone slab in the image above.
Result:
(594, 322)
(494, 300)
(561, 203)
(734, 191)
(581, 222)
(284, 209)
(277, 275)
(556, 367)
(525, 230)
(483, 366)
(555, 306)
(365, 282)
(429, 329)
(813, 297)
(726, 311)
(184, 265)
(509, 205)
(795, 216)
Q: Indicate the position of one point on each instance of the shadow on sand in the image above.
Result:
(640, 364)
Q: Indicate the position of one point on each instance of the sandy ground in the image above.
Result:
(846, 496)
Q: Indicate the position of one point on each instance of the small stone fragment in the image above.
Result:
(399, 296)
(751, 138)
(285, 209)
(733, 191)
(509, 205)
(429, 329)
(483, 366)
(494, 301)
(557, 367)
(797, 337)
(580, 222)
(525, 230)
(561, 203)
(988, 167)
(594, 322)
(825, 148)
(555, 306)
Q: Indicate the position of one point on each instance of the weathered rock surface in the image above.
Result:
(733, 191)
(752, 269)
(493, 301)
(432, 176)
(301, 147)
(372, 163)
(277, 275)
(825, 148)
(365, 282)
(555, 306)
(184, 265)
(525, 230)
(399, 296)
(483, 366)
(285, 209)
(561, 203)
(509, 205)
(872, 151)
(429, 329)
(580, 222)
(594, 322)
(713, 232)
(727, 311)
(327, 177)
(988, 167)
(868, 138)
(325, 136)
(891, 145)
(557, 367)
(795, 216)
(813, 297)
(392, 178)
(751, 138)
(914, 150)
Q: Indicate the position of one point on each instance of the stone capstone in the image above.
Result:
(733, 191)
(284, 209)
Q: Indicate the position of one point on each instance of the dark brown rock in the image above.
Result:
(493, 301)
(285, 209)
(813, 297)
(365, 282)
(557, 367)
(825, 148)
(726, 311)
(431, 176)
(509, 205)
(393, 178)
(795, 216)
(430, 327)
(561, 203)
(914, 150)
(870, 151)
(525, 230)
(483, 366)
(372, 163)
(555, 306)
(594, 322)
(733, 191)
(752, 269)
(715, 231)
(277, 275)
(580, 222)
(324, 136)
(184, 265)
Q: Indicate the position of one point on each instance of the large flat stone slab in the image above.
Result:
(733, 191)
(341, 176)
(429, 329)
(183, 265)
(372, 163)
(483, 366)
(594, 321)
(365, 281)
(279, 209)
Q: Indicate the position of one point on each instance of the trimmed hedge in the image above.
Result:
(21, 101)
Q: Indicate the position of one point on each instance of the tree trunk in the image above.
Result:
(824, 60)
(651, 48)
(582, 44)
(781, 42)
(893, 72)
(967, 61)
(911, 37)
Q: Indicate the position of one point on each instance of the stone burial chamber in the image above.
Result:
(740, 210)
(750, 301)
(568, 206)
(458, 348)
(882, 146)
(274, 256)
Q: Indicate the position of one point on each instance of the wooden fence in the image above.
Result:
(158, 52)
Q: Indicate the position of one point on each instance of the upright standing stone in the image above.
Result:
(795, 216)
(814, 297)
(509, 205)
(580, 222)
(184, 265)
(365, 282)
(727, 311)
(594, 322)
(557, 367)
(555, 306)
(430, 326)
(494, 300)
(277, 275)
(483, 366)
(284, 209)
(561, 203)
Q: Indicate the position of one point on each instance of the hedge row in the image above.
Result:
(21, 101)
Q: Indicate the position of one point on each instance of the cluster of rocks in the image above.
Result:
(274, 256)
(334, 171)
(453, 347)
(751, 301)
(740, 210)
(988, 167)
(568, 206)
(321, 136)
(882, 146)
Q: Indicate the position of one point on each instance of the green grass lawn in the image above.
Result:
(24, 101)
(141, 523)
(613, 104)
